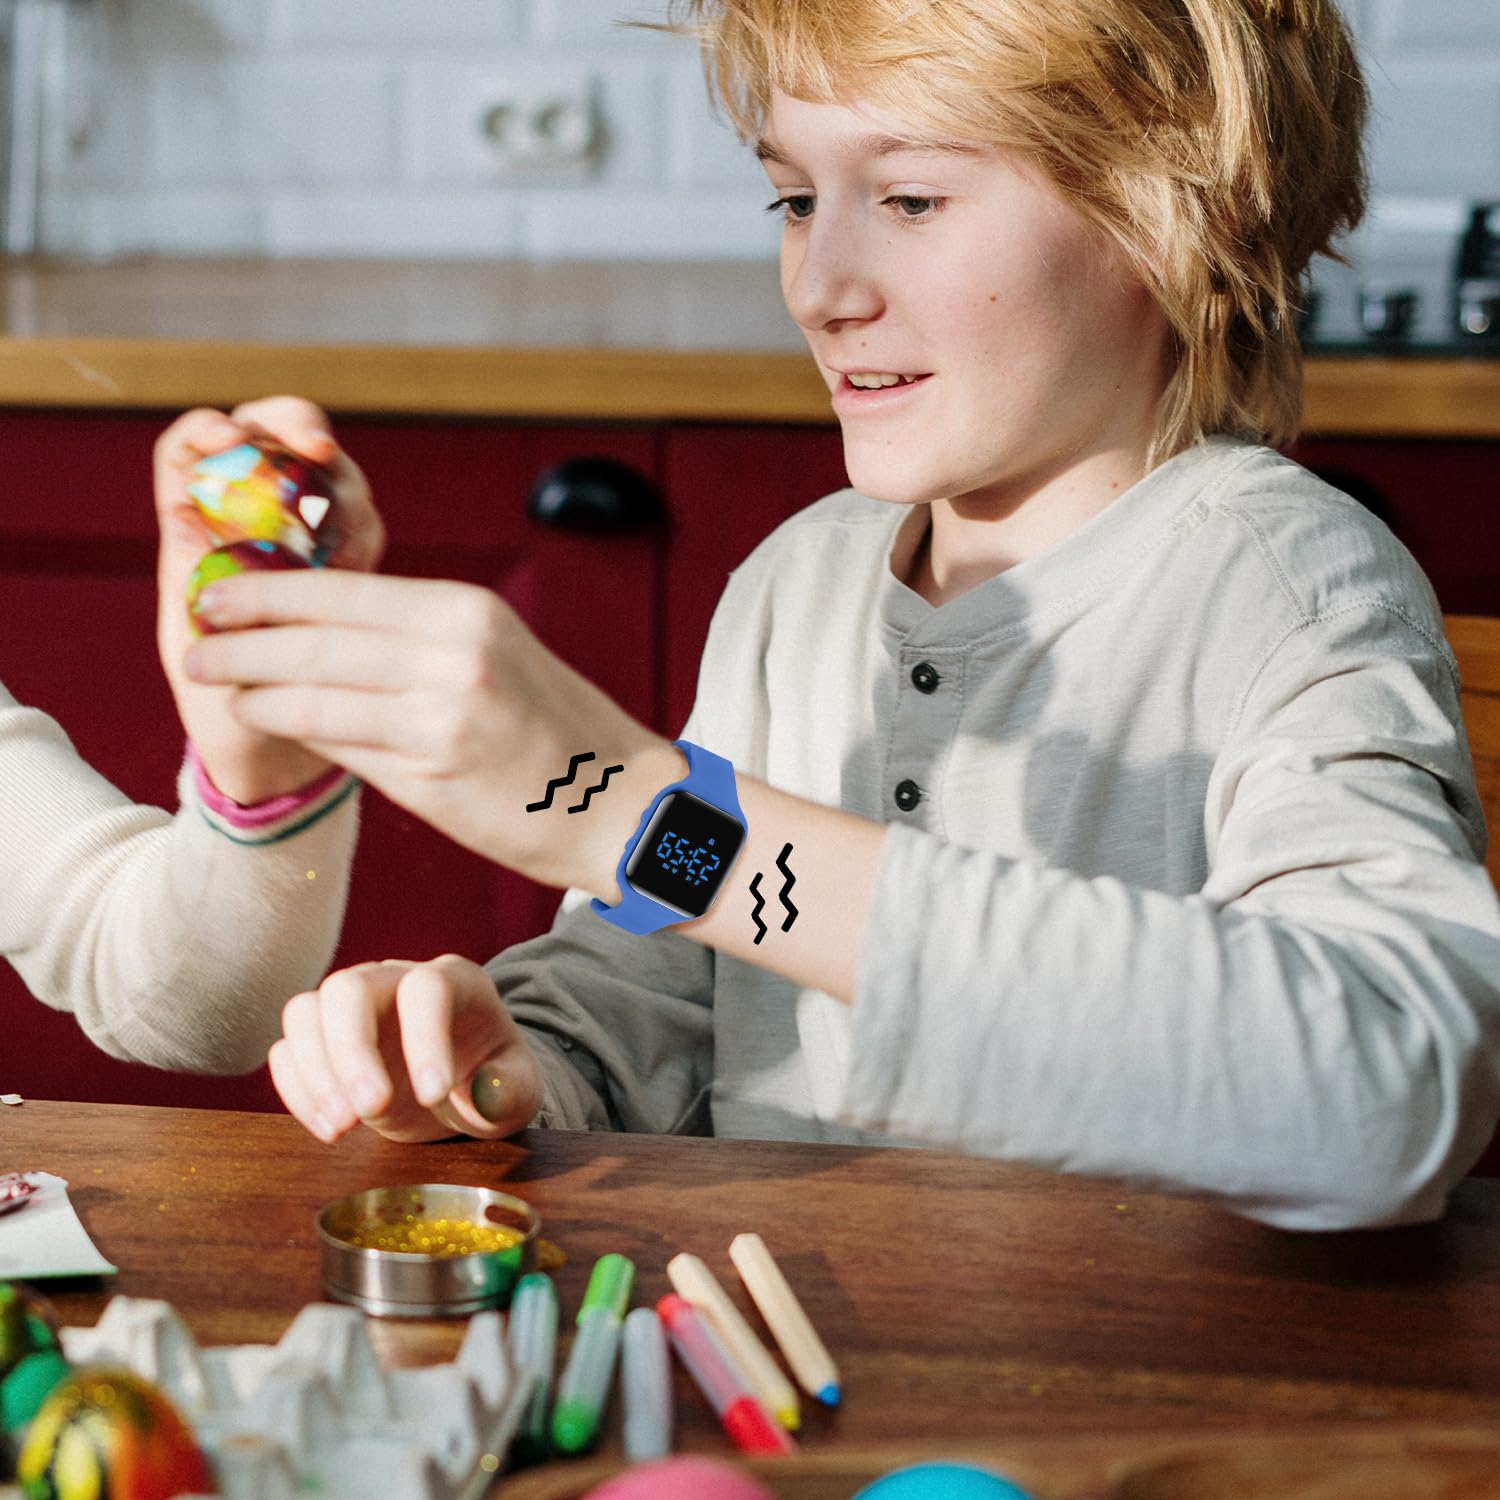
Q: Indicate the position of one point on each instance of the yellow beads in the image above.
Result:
(418, 1236)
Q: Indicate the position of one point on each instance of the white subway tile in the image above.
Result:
(658, 226)
(702, 149)
(271, 121)
(208, 221)
(1435, 128)
(191, 26)
(407, 25)
(446, 102)
(599, 24)
(455, 225)
(1438, 23)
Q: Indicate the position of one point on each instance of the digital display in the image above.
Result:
(684, 853)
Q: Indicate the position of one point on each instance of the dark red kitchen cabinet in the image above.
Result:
(728, 487)
(78, 598)
(1440, 497)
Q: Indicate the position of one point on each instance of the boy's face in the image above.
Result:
(1007, 343)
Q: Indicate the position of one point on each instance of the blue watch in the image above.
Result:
(680, 852)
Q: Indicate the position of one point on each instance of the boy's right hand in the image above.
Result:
(396, 1045)
(244, 764)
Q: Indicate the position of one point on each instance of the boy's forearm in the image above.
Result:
(795, 900)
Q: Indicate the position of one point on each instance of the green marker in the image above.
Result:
(533, 1337)
(584, 1387)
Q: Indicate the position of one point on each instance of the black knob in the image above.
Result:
(594, 494)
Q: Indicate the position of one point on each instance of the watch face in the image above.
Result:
(685, 853)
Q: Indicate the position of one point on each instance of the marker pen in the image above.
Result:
(584, 1387)
(750, 1426)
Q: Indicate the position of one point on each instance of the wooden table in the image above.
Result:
(1094, 1341)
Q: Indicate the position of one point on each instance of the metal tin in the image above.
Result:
(398, 1284)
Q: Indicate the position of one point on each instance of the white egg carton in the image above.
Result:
(315, 1414)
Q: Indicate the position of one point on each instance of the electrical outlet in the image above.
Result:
(545, 127)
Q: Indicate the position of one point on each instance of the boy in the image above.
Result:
(1105, 797)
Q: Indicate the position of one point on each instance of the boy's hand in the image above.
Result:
(397, 1046)
(439, 696)
(244, 763)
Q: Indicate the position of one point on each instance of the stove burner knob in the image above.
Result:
(1386, 312)
(1479, 309)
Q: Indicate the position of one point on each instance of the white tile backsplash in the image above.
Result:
(402, 26)
(352, 127)
(261, 123)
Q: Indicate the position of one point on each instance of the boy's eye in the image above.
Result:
(910, 206)
(792, 206)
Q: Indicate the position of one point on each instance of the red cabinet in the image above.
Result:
(629, 608)
(78, 598)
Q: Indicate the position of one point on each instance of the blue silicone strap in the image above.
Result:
(710, 777)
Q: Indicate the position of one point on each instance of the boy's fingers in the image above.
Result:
(425, 1002)
(500, 1096)
(299, 424)
(195, 433)
(302, 1030)
(353, 1003)
(289, 1083)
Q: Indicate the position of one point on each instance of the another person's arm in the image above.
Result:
(175, 940)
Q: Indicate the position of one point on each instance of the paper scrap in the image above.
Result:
(11, 1099)
(48, 1239)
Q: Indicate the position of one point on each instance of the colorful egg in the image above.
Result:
(106, 1434)
(684, 1478)
(263, 492)
(27, 1324)
(246, 556)
(941, 1481)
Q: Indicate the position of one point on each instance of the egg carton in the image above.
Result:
(315, 1414)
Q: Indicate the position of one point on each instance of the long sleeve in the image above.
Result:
(1312, 1036)
(1183, 878)
(173, 940)
(622, 1025)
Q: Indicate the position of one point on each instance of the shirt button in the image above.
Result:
(924, 677)
(908, 794)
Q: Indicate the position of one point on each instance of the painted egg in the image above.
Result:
(27, 1324)
(106, 1434)
(245, 556)
(685, 1478)
(263, 492)
(941, 1481)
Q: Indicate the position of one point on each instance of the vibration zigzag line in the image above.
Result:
(599, 787)
(791, 880)
(760, 902)
(553, 785)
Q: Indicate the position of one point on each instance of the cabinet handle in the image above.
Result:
(594, 494)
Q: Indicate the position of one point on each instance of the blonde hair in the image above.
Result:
(1218, 142)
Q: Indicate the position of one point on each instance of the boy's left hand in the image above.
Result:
(439, 696)
(243, 762)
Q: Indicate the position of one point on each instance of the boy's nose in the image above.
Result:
(825, 280)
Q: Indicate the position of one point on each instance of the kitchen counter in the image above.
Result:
(618, 342)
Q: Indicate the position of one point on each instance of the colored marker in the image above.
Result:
(533, 1338)
(584, 1387)
(646, 1376)
(751, 1428)
(693, 1280)
(804, 1350)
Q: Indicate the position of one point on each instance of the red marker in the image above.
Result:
(750, 1426)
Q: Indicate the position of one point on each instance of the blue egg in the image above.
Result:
(942, 1482)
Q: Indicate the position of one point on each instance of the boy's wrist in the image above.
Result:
(656, 765)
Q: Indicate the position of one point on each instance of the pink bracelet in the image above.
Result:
(259, 814)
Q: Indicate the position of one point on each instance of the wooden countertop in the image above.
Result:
(1093, 1340)
(618, 342)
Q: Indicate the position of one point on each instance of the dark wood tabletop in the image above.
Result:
(1071, 1326)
